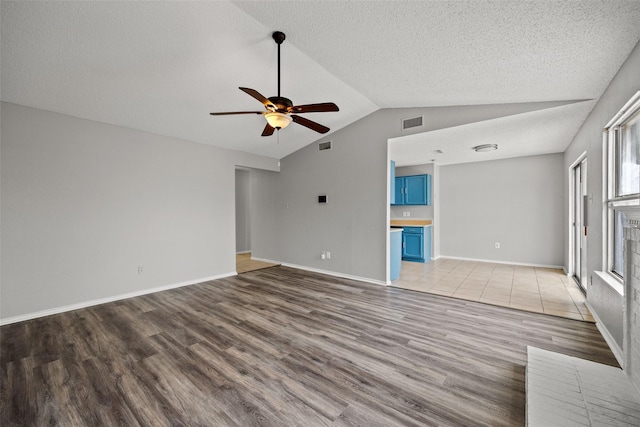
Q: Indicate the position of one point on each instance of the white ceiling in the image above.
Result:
(163, 66)
(525, 134)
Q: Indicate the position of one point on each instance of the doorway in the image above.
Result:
(579, 221)
(244, 210)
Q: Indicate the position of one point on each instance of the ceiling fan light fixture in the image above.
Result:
(278, 120)
(485, 147)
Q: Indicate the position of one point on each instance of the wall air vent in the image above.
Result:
(411, 123)
(324, 146)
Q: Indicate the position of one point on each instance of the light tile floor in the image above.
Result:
(542, 290)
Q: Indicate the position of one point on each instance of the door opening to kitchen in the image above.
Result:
(579, 221)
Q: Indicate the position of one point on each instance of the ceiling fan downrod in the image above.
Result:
(278, 37)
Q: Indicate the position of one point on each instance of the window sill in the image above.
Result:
(613, 282)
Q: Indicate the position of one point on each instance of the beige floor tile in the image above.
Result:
(559, 299)
(443, 292)
(449, 283)
(480, 274)
(408, 277)
(527, 307)
(525, 281)
(588, 317)
(410, 285)
(529, 299)
(560, 306)
(492, 289)
(473, 283)
(498, 285)
(495, 300)
(525, 288)
(469, 292)
(501, 279)
(583, 309)
(524, 293)
(567, 314)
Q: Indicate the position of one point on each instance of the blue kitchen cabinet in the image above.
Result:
(413, 244)
(416, 244)
(399, 191)
(413, 190)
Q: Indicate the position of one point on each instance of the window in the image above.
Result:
(622, 135)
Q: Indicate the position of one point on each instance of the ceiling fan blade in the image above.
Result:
(310, 124)
(268, 130)
(236, 112)
(257, 95)
(314, 108)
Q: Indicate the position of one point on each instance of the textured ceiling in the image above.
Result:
(163, 66)
(527, 134)
(434, 53)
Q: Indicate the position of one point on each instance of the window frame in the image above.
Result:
(612, 202)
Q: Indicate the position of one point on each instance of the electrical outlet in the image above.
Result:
(328, 255)
(140, 269)
(323, 255)
(408, 213)
(497, 245)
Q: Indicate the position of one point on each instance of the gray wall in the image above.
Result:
(589, 140)
(83, 204)
(354, 176)
(265, 214)
(517, 202)
(243, 211)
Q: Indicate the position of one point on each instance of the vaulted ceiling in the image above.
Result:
(162, 67)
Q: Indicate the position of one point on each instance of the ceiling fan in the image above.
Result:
(280, 111)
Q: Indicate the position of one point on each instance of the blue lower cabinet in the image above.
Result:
(395, 255)
(416, 244)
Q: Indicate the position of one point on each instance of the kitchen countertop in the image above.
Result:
(410, 222)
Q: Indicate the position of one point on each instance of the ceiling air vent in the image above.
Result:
(411, 123)
(324, 146)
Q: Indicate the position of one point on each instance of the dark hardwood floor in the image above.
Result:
(280, 347)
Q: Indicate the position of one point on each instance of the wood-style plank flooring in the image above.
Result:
(280, 347)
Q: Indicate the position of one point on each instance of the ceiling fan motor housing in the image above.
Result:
(281, 103)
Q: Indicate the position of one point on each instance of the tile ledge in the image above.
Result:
(611, 281)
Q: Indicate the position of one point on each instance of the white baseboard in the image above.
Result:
(335, 274)
(243, 252)
(270, 261)
(492, 261)
(615, 348)
(327, 272)
(85, 304)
